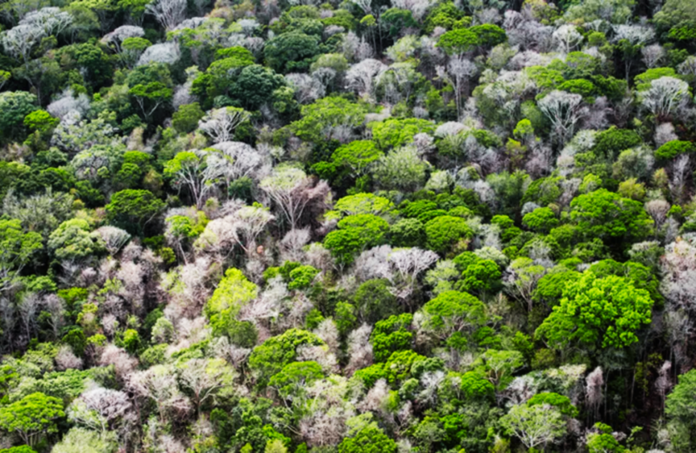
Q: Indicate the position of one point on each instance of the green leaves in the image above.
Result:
(598, 313)
(32, 417)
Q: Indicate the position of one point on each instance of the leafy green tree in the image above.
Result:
(605, 215)
(674, 148)
(354, 234)
(562, 402)
(356, 157)
(133, 209)
(321, 119)
(73, 241)
(394, 132)
(483, 277)
(458, 41)
(365, 436)
(390, 335)
(232, 293)
(254, 86)
(453, 312)
(407, 233)
(374, 301)
(598, 313)
(186, 119)
(292, 51)
(291, 381)
(447, 233)
(17, 248)
(32, 417)
(275, 353)
(14, 107)
(680, 409)
(541, 220)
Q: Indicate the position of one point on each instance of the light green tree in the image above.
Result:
(32, 417)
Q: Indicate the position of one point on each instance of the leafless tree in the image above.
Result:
(594, 387)
(169, 13)
(665, 96)
(293, 191)
(220, 124)
(205, 378)
(564, 110)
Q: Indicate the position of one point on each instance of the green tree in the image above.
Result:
(680, 408)
(232, 293)
(605, 215)
(598, 313)
(133, 209)
(458, 41)
(354, 234)
(541, 220)
(364, 436)
(275, 353)
(17, 248)
(14, 107)
(292, 51)
(291, 381)
(446, 233)
(186, 119)
(390, 335)
(73, 241)
(32, 417)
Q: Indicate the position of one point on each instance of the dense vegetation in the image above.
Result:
(359, 226)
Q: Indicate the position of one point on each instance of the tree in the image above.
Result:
(356, 233)
(32, 417)
(458, 41)
(605, 215)
(14, 107)
(188, 169)
(680, 409)
(275, 353)
(233, 292)
(364, 436)
(205, 378)
(17, 249)
(330, 118)
(80, 440)
(452, 312)
(564, 111)
(401, 169)
(72, 240)
(665, 96)
(134, 209)
(220, 124)
(169, 13)
(291, 51)
(291, 381)
(293, 191)
(186, 118)
(534, 425)
(446, 233)
(598, 313)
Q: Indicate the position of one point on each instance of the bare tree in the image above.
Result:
(594, 386)
(293, 191)
(220, 124)
(169, 13)
(665, 96)
(159, 384)
(564, 110)
(457, 73)
(567, 38)
(205, 378)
